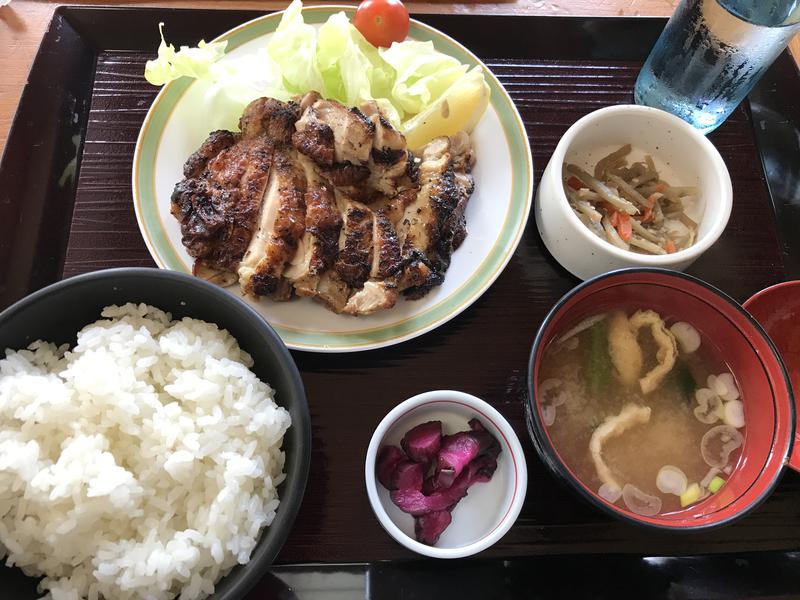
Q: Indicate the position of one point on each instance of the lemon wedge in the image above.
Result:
(459, 108)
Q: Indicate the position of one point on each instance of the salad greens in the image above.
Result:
(334, 59)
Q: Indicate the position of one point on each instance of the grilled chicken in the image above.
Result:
(320, 243)
(219, 201)
(380, 291)
(318, 200)
(355, 244)
(281, 227)
(328, 133)
(389, 159)
(271, 118)
(356, 150)
(433, 226)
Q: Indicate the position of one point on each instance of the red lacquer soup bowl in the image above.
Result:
(743, 345)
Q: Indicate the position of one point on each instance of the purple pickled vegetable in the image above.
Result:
(461, 460)
(461, 448)
(428, 528)
(476, 425)
(422, 443)
(415, 503)
(407, 476)
(387, 460)
(482, 469)
(440, 480)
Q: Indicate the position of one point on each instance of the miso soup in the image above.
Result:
(642, 410)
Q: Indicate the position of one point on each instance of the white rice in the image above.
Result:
(141, 464)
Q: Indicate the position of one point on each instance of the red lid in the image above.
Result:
(777, 309)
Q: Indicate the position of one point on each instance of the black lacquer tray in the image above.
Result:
(65, 208)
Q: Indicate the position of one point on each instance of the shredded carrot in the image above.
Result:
(575, 183)
(661, 187)
(648, 214)
(613, 217)
(624, 228)
(651, 199)
(670, 247)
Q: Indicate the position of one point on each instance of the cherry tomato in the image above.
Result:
(382, 21)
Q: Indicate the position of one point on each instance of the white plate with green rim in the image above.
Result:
(496, 214)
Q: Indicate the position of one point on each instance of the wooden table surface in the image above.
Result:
(23, 22)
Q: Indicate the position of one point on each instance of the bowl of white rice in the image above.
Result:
(154, 440)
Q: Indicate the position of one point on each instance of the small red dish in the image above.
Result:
(766, 393)
(777, 308)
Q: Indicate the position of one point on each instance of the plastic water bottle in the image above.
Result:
(711, 54)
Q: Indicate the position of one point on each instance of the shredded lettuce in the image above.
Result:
(422, 74)
(293, 48)
(334, 59)
(189, 62)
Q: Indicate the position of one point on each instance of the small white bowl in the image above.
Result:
(683, 156)
(488, 511)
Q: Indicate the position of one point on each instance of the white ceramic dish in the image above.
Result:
(496, 214)
(683, 156)
(488, 511)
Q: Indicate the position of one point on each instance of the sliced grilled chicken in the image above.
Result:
(355, 244)
(329, 133)
(320, 243)
(431, 226)
(386, 257)
(219, 201)
(270, 117)
(374, 296)
(321, 239)
(216, 142)
(386, 137)
(346, 175)
(454, 230)
(332, 291)
(388, 161)
(380, 292)
(394, 208)
(281, 226)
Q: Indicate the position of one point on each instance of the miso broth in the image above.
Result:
(625, 394)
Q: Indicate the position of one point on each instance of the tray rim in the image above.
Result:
(458, 20)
